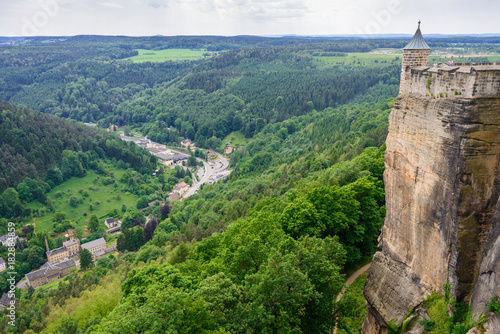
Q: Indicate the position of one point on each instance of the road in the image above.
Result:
(349, 281)
(209, 171)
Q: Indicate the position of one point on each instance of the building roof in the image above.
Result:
(57, 251)
(2, 260)
(70, 233)
(69, 243)
(173, 197)
(5, 300)
(94, 243)
(48, 267)
(417, 42)
(114, 229)
(109, 221)
(4, 238)
(182, 184)
(186, 141)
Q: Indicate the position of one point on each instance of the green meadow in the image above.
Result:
(104, 193)
(166, 55)
(236, 139)
(365, 58)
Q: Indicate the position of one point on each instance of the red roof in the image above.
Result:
(70, 233)
(182, 184)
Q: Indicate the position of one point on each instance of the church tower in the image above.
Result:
(415, 53)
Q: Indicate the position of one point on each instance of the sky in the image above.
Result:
(245, 17)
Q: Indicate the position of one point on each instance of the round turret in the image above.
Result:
(415, 53)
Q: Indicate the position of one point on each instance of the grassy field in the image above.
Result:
(439, 59)
(90, 190)
(166, 55)
(372, 59)
(236, 139)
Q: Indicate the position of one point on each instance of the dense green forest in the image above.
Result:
(265, 250)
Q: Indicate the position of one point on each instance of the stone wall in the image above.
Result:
(445, 81)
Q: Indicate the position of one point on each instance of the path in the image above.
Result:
(349, 281)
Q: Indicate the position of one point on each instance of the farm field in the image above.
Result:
(166, 55)
(93, 189)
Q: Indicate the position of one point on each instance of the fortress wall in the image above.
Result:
(472, 81)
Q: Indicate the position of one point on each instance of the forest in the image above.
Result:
(265, 250)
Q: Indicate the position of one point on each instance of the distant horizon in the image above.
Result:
(362, 36)
(139, 18)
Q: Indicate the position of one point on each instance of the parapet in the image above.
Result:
(472, 80)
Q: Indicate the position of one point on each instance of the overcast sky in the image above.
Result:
(245, 17)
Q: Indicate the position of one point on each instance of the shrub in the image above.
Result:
(428, 324)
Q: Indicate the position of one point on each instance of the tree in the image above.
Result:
(149, 229)
(124, 208)
(85, 259)
(164, 211)
(93, 223)
(59, 216)
(127, 221)
(73, 201)
(121, 243)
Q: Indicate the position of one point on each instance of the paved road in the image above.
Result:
(209, 171)
(349, 281)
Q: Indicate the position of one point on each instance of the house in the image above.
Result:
(111, 222)
(69, 235)
(5, 301)
(229, 150)
(58, 255)
(2, 264)
(73, 247)
(173, 197)
(95, 246)
(49, 273)
(8, 240)
(181, 188)
(104, 252)
(187, 143)
(176, 158)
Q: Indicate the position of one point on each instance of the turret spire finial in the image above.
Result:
(419, 24)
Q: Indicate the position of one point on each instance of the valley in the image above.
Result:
(235, 181)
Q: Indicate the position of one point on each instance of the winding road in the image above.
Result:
(349, 281)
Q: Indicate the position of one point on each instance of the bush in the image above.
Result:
(494, 304)
(428, 324)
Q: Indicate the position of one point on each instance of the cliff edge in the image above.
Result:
(442, 179)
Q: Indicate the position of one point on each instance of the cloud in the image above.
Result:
(253, 9)
(157, 3)
(110, 4)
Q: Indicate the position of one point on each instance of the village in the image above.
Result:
(215, 166)
(61, 260)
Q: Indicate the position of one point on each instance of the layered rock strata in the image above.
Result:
(442, 184)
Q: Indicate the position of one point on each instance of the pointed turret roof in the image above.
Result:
(417, 42)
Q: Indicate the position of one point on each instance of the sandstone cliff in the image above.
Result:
(442, 184)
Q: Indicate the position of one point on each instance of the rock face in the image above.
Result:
(442, 182)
